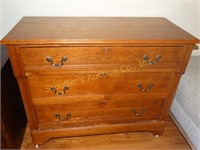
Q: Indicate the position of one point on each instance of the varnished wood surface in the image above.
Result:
(98, 59)
(112, 59)
(155, 127)
(93, 45)
(171, 139)
(57, 30)
(81, 84)
(99, 55)
(91, 111)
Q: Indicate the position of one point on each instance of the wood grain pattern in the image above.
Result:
(14, 60)
(99, 55)
(120, 59)
(171, 139)
(63, 30)
(25, 93)
(81, 84)
(91, 110)
(156, 127)
(99, 98)
(105, 63)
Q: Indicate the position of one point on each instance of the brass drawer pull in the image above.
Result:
(141, 113)
(67, 117)
(139, 85)
(158, 57)
(63, 59)
(59, 93)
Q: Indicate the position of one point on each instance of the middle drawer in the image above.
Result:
(50, 86)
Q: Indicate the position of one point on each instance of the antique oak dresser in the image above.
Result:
(97, 75)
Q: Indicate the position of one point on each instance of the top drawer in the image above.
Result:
(162, 57)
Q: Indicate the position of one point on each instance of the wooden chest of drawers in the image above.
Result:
(84, 76)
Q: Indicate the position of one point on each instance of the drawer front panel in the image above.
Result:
(66, 56)
(90, 110)
(48, 86)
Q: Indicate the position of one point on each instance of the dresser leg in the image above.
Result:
(36, 146)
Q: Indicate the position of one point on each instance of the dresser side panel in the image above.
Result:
(189, 48)
(23, 84)
(14, 60)
(169, 101)
(27, 100)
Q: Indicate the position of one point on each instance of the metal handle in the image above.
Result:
(59, 93)
(63, 59)
(139, 85)
(141, 113)
(67, 117)
(158, 57)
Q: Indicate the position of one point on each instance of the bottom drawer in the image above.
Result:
(97, 112)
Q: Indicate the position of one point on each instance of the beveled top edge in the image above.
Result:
(66, 30)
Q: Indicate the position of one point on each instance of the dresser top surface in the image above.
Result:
(63, 30)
